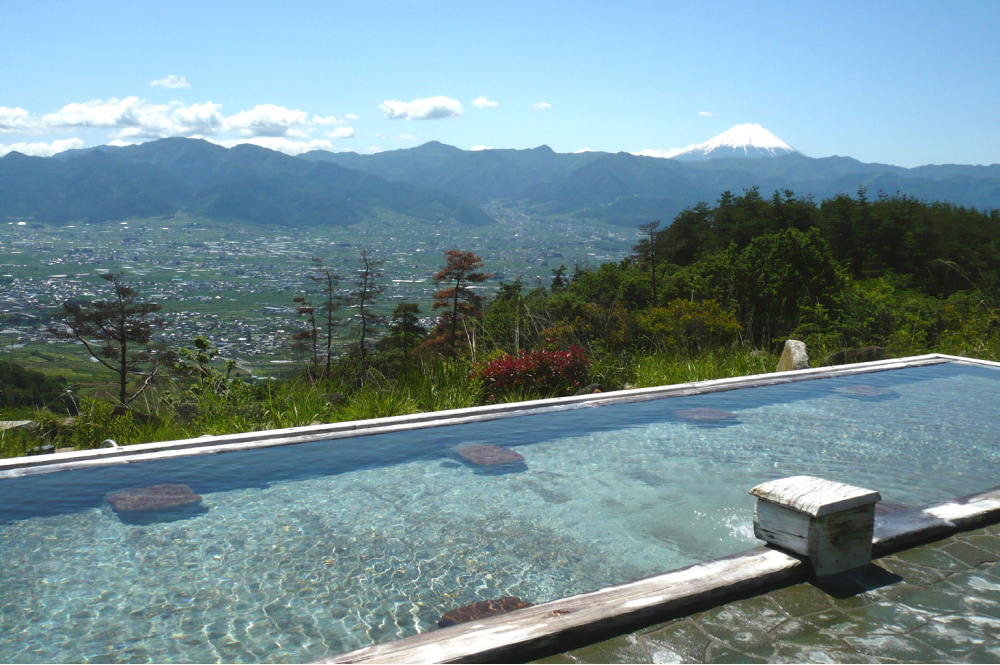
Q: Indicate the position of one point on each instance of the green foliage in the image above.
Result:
(688, 326)
(883, 312)
(21, 387)
(942, 246)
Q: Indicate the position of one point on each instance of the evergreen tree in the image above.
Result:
(462, 268)
(405, 329)
(122, 327)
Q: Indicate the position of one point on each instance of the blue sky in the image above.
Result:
(904, 83)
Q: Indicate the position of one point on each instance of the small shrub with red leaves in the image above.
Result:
(544, 373)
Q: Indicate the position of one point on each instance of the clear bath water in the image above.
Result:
(301, 552)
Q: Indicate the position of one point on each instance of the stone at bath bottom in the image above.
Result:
(889, 507)
(864, 392)
(481, 610)
(706, 415)
(488, 454)
(154, 497)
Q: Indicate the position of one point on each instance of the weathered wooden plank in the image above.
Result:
(909, 528)
(565, 623)
(814, 496)
(781, 527)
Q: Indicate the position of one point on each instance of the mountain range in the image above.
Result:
(440, 182)
(244, 183)
(626, 189)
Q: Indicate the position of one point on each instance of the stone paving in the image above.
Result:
(934, 603)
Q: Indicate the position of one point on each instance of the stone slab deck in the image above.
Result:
(936, 603)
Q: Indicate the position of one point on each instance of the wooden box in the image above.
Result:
(828, 522)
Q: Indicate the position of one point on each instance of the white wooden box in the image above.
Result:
(828, 522)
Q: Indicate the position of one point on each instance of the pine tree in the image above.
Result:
(462, 268)
(122, 328)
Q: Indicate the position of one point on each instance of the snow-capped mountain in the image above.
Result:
(741, 141)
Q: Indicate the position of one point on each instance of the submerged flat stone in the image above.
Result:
(481, 610)
(706, 415)
(488, 454)
(890, 507)
(864, 392)
(154, 497)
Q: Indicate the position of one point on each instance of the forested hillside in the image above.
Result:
(244, 183)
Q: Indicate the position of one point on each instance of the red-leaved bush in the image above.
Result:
(543, 372)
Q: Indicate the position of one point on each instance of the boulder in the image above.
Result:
(154, 497)
(481, 610)
(27, 425)
(589, 389)
(793, 356)
(865, 354)
(488, 454)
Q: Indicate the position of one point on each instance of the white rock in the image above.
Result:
(794, 356)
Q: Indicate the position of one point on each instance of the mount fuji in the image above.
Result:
(750, 141)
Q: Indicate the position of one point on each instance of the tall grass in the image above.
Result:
(661, 369)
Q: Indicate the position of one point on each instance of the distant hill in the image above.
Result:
(245, 183)
(627, 189)
(481, 175)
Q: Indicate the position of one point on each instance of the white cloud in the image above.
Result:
(708, 114)
(351, 116)
(42, 149)
(16, 120)
(432, 108)
(341, 133)
(477, 148)
(332, 120)
(171, 81)
(396, 137)
(373, 149)
(135, 118)
(268, 120)
(662, 154)
(118, 143)
(281, 144)
(577, 152)
(483, 102)
(541, 106)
